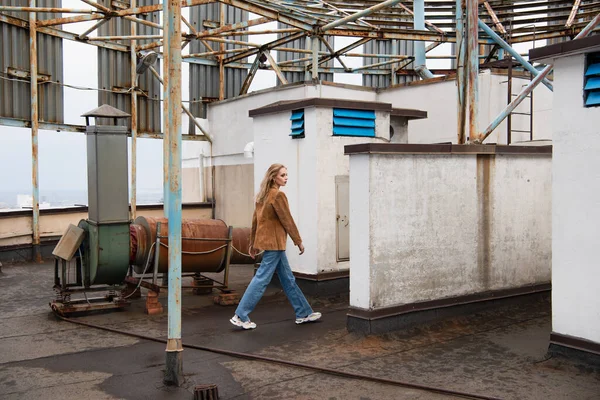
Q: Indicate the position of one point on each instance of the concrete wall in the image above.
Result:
(576, 211)
(439, 100)
(427, 227)
(16, 229)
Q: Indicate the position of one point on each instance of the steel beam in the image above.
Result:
(314, 42)
(512, 52)
(359, 14)
(134, 120)
(275, 67)
(35, 125)
(419, 24)
(472, 72)
(172, 97)
(250, 76)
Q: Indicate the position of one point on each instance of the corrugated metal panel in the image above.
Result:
(301, 44)
(204, 79)
(15, 100)
(405, 47)
(114, 72)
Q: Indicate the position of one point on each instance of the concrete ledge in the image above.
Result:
(574, 348)
(320, 285)
(399, 317)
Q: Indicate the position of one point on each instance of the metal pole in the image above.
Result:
(419, 25)
(509, 100)
(473, 70)
(221, 57)
(35, 180)
(460, 71)
(133, 76)
(174, 352)
(315, 58)
(166, 122)
(511, 51)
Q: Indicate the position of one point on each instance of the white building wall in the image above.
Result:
(432, 232)
(576, 206)
(439, 99)
(331, 162)
(274, 145)
(313, 162)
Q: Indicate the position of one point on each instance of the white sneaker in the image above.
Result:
(238, 322)
(311, 318)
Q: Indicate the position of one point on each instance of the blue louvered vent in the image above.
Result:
(592, 80)
(353, 122)
(297, 119)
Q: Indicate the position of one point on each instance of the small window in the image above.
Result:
(353, 122)
(297, 119)
(592, 80)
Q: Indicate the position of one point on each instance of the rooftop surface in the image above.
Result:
(498, 353)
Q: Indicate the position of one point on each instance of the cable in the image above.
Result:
(194, 253)
(329, 371)
(143, 273)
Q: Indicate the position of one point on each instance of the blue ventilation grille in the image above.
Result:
(592, 81)
(353, 122)
(297, 119)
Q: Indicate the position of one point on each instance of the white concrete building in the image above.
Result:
(575, 194)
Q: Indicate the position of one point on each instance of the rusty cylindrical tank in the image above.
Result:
(197, 255)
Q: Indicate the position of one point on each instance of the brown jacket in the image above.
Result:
(272, 222)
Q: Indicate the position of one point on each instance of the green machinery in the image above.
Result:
(99, 245)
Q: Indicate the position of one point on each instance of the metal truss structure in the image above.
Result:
(480, 29)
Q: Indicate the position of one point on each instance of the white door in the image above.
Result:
(342, 211)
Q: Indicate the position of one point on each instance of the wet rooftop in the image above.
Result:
(497, 353)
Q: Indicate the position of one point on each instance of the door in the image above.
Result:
(342, 211)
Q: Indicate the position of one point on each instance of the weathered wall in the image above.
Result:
(439, 100)
(16, 229)
(234, 194)
(427, 227)
(576, 211)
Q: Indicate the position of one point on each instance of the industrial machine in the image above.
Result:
(109, 254)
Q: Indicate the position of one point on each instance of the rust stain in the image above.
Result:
(485, 163)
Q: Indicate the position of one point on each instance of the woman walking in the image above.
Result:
(271, 223)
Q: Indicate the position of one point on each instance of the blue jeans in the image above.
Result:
(273, 260)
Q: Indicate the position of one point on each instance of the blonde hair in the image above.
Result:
(268, 181)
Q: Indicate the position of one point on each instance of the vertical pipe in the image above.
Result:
(222, 57)
(473, 70)
(531, 112)
(166, 122)
(460, 71)
(394, 78)
(37, 254)
(134, 119)
(419, 25)
(307, 46)
(508, 100)
(315, 58)
(156, 254)
(174, 352)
